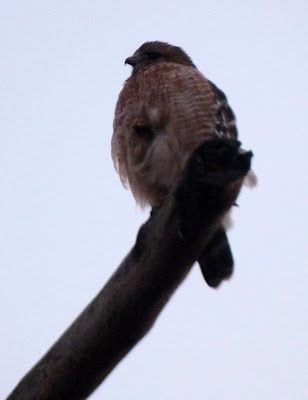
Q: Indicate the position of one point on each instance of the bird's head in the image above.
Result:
(154, 52)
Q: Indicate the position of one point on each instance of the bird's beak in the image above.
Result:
(131, 61)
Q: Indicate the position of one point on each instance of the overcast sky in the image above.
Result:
(66, 221)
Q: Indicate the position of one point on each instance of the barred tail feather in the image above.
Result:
(216, 261)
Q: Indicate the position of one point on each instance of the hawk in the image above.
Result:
(166, 109)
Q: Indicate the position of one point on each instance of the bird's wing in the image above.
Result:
(163, 113)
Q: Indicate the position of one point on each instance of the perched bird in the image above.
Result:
(165, 110)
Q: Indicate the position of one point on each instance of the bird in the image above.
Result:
(165, 110)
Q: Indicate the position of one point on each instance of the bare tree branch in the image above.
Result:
(123, 312)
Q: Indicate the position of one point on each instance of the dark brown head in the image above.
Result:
(154, 52)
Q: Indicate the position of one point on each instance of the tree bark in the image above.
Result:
(122, 313)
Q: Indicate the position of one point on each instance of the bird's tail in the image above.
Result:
(216, 261)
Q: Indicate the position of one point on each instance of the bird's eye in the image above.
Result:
(152, 56)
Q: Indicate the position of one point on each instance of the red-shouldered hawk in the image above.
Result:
(165, 110)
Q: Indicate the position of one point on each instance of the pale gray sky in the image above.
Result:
(66, 221)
